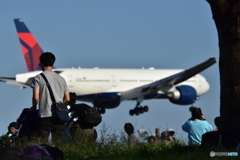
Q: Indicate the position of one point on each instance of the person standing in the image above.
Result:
(196, 126)
(41, 96)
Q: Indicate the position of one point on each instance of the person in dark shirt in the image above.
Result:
(7, 139)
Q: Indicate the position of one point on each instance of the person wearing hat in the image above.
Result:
(171, 133)
(7, 139)
(167, 135)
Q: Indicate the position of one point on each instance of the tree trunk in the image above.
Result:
(226, 14)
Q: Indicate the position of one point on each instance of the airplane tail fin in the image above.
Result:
(30, 47)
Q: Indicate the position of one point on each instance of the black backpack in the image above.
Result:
(87, 116)
(29, 122)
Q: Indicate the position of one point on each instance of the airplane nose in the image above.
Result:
(204, 85)
(207, 87)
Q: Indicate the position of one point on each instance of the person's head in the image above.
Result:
(217, 121)
(171, 132)
(167, 135)
(73, 97)
(129, 128)
(13, 127)
(196, 113)
(152, 139)
(164, 135)
(47, 59)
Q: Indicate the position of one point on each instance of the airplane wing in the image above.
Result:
(12, 81)
(154, 87)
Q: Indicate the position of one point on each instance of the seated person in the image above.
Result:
(7, 139)
(152, 139)
(78, 130)
(129, 129)
(196, 126)
(167, 136)
(83, 134)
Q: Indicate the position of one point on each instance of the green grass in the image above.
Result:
(175, 151)
(143, 151)
(115, 147)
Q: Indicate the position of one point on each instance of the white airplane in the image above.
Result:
(106, 88)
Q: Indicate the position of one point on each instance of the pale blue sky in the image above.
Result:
(114, 34)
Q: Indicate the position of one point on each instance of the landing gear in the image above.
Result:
(138, 110)
(131, 112)
(145, 108)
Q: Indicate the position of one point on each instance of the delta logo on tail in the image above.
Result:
(107, 88)
(30, 47)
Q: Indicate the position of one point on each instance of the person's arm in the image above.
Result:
(170, 138)
(185, 127)
(8, 140)
(35, 98)
(209, 127)
(66, 97)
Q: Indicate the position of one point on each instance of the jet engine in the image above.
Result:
(182, 95)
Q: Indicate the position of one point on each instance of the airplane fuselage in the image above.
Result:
(94, 81)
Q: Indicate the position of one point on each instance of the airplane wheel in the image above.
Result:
(131, 112)
(141, 110)
(137, 111)
(145, 108)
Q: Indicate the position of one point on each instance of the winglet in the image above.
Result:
(30, 47)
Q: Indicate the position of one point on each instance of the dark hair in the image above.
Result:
(47, 59)
(217, 121)
(164, 135)
(73, 97)
(13, 124)
(129, 128)
(196, 113)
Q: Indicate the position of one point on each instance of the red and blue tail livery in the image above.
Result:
(30, 47)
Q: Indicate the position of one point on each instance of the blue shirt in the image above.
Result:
(195, 130)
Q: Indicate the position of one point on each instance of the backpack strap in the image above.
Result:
(51, 93)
